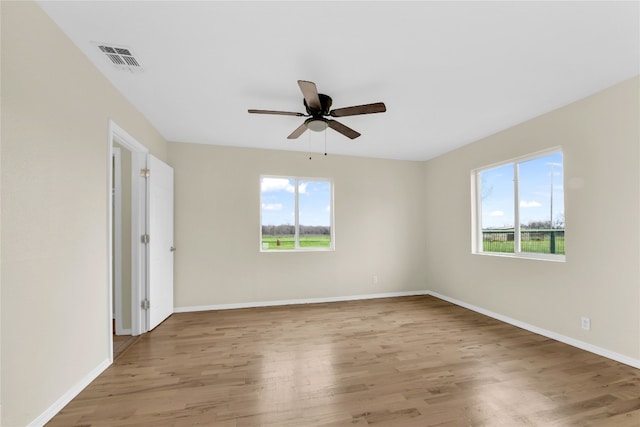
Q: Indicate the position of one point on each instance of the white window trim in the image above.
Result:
(476, 211)
(297, 248)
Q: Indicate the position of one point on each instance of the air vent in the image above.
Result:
(120, 57)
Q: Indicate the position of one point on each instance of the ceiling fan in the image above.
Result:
(318, 108)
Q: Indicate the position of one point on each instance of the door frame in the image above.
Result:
(138, 226)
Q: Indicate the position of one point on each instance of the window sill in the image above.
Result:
(297, 250)
(535, 257)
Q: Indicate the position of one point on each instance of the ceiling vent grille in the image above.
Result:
(120, 57)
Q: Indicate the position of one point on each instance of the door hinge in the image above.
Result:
(145, 304)
(144, 238)
(145, 173)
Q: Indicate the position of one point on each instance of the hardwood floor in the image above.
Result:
(411, 361)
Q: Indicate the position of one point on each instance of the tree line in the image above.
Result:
(290, 230)
(544, 225)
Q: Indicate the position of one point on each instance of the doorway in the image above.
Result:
(127, 219)
(121, 248)
(140, 204)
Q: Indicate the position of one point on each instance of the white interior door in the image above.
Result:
(160, 246)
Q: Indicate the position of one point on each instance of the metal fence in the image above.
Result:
(549, 241)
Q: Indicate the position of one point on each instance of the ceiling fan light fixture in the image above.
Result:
(316, 124)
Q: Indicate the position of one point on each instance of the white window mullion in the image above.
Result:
(516, 210)
(331, 217)
(478, 221)
(297, 216)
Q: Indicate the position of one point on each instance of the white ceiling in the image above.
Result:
(449, 72)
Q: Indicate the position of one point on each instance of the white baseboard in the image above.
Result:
(296, 301)
(47, 415)
(549, 334)
(123, 332)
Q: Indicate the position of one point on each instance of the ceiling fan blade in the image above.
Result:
(346, 131)
(299, 131)
(377, 107)
(281, 113)
(310, 93)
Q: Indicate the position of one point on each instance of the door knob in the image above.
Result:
(172, 249)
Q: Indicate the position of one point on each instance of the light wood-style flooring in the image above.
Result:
(410, 361)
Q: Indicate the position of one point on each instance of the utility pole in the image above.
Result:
(551, 198)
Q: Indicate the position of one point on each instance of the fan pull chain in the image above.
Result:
(309, 139)
(325, 142)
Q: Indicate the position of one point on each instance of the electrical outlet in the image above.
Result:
(374, 280)
(586, 323)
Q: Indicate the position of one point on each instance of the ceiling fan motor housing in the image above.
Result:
(325, 106)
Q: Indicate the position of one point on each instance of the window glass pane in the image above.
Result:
(541, 205)
(314, 210)
(497, 202)
(277, 210)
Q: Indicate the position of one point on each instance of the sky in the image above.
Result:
(539, 179)
(278, 201)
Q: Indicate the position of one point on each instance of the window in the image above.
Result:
(296, 214)
(519, 207)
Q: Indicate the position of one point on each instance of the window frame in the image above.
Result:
(298, 248)
(476, 214)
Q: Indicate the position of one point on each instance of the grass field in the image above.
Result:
(531, 246)
(324, 241)
(288, 242)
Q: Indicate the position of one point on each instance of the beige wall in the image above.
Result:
(55, 111)
(378, 227)
(600, 278)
